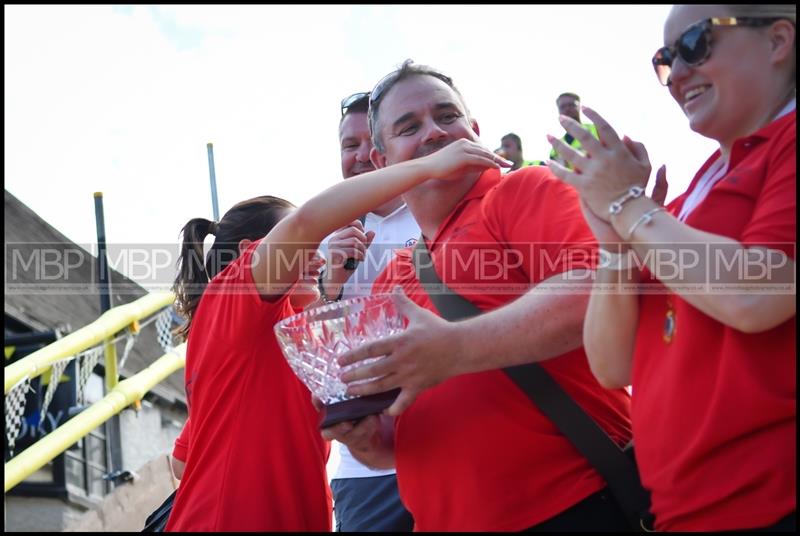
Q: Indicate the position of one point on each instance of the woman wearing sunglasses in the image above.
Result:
(707, 336)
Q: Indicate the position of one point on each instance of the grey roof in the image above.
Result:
(75, 302)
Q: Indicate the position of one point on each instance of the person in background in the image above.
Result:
(511, 148)
(709, 345)
(364, 499)
(569, 105)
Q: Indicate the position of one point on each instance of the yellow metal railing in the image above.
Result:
(120, 394)
(109, 323)
(123, 395)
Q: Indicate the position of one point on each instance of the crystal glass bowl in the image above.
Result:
(312, 340)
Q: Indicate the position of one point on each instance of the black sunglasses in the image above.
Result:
(693, 47)
(354, 100)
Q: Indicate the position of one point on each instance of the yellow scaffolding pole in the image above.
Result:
(106, 326)
(124, 394)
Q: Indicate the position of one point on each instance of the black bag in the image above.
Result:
(616, 465)
(157, 521)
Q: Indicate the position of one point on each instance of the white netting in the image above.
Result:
(55, 378)
(15, 408)
(164, 330)
(87, 360)
(130, 340)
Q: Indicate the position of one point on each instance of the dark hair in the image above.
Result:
(251, 219)
(516, 139)
(406, 70)
(568, 94)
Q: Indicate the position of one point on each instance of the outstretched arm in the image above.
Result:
(283, 254)
(539, 325)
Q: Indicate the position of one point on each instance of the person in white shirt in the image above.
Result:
(365, 499)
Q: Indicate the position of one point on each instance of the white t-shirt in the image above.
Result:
(397, 230)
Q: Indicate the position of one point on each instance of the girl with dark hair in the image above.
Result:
(255, 459)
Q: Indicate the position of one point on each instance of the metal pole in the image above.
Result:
(104, 276)
(214, 204)
(114, 433)
(104, 284)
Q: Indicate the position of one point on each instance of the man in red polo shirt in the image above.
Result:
(472, 453)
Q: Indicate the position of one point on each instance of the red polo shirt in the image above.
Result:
(714, 410)
(255, 459)
(474, 453)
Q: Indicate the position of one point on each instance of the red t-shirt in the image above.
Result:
(714, 410)
(256, 460)
(474, 453)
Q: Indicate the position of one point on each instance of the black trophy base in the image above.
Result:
(357, 408)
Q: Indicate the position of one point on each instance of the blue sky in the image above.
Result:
(123, 99)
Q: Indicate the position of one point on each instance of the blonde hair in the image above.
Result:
(765, 11)
(782, 11)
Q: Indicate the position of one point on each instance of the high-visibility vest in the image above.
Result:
(575, 144)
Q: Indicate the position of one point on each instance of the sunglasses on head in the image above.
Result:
(354, 100)
(390, 79)
(693, 47)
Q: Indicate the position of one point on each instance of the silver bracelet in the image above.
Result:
(644, 219)
(633, 192)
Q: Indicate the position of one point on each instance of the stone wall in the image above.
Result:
(126, 508)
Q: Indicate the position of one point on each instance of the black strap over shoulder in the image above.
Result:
(157, 521)
(612, 462)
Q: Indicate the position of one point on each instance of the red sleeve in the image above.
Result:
(774, 223)
(540, 216)
(181, 447)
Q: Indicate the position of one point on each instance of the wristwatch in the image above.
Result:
(325, 298)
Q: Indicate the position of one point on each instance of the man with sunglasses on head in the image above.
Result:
(569, 104)
(365, 499)
(472, 452)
